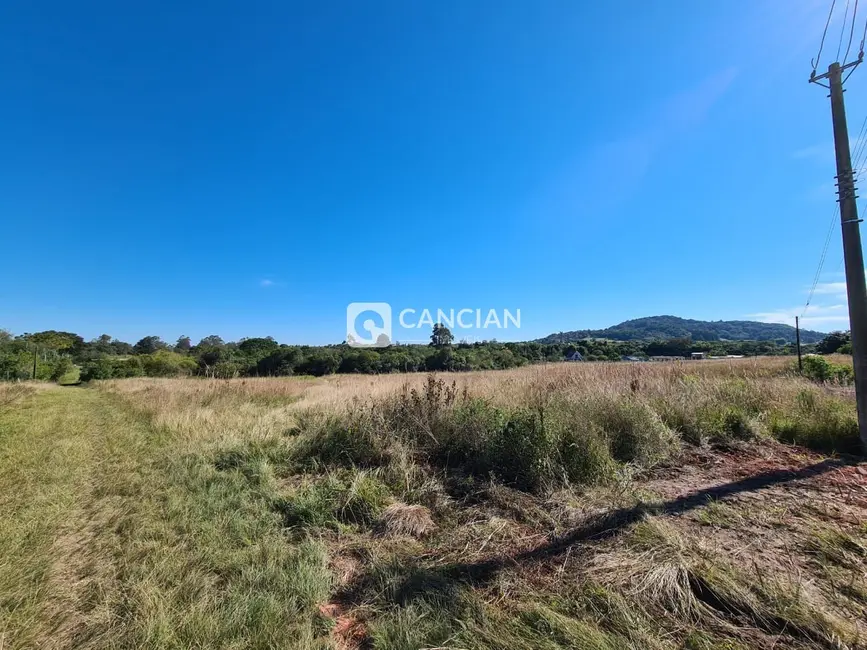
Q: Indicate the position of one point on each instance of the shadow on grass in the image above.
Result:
(599, 528)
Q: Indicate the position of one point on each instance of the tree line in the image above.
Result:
(51, 354)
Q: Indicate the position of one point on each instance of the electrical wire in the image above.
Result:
(824, 33)
(860, 149)
(860, 146)
(843, 29)
(863, 37)
(821, 262)
(851, 31)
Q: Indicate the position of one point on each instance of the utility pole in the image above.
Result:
(798, 343)
(35, 357)
(856, 288)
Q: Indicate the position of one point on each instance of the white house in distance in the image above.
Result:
(575, 356)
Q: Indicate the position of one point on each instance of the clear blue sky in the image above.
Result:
(249, 168)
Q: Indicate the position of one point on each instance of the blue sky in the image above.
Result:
(251, 168)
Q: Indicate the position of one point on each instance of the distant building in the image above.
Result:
(575, 356)
(630, 358)
(663, 357)
(698, 356)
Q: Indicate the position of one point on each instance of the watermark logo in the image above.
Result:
(368, 324)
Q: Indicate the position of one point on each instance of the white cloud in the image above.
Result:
(820, 317)
(831, 288)
(266, 283)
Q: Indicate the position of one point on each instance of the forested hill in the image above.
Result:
(669, 327)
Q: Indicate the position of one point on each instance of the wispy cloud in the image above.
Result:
(820, 317)
(587, 184)
(830, 315)
(831, 288)
(269, 282)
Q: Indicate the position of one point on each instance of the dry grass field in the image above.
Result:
(698, 505)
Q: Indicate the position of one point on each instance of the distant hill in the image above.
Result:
(670, 327)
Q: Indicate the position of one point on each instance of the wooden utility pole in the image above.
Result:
(798, 343)
(856, 287)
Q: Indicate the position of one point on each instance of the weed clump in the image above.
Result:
(357, 499)
(531, 449)
(820, 422)
(342, 440)
(403, 519)
(634, 431)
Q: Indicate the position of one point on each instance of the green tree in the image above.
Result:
(57, 341)
(258, 348)
(149, 345)
(441, 336)
(832, 342)
(183, 344)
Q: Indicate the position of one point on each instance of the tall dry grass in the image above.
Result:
(611, 413)
(237, 513)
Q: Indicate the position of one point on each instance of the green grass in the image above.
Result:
(111, 539)
(71, 377)
(195, 514)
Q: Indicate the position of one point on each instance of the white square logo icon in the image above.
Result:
(368, 324)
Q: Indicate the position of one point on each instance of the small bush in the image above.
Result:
(584, 456)
(820, 369)
(520, 453)
(634, 431)
(110, 368)
(472, 424)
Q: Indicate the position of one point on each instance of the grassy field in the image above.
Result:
(698, 506)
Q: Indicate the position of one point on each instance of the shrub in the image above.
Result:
(165, 363)
(466, 432)
(520, 452)
(112, 368)
(98, 369)
(820, 369)
(61, 367)
(634, 431)
(584, 455)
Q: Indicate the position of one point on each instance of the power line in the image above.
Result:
(824, 33)
(843, 29)
(821, 261)
(851, 31)
(863, 37)
(860, 148)
(860, 144)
